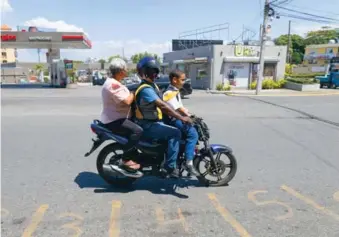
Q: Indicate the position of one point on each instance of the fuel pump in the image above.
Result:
(58, 74)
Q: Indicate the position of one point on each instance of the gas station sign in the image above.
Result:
(40, 38)
(68, 64)
(8, 37)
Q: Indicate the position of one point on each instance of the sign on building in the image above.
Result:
(246, 51)
(181, 44)
(40, 38)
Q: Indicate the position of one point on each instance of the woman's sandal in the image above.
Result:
(131, 166)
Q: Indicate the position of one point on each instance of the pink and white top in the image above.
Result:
(113, 93)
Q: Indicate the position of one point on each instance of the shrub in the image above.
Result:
(253, 85)
(289, 68)
(304, 75)
(281, 83)
(225, 87)
(303, 80)
(269, 84)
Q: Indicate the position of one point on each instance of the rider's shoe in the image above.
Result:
(173, 173)
(191, 170)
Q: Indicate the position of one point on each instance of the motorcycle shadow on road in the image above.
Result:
(152, 184)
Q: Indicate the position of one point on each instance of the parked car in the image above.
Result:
(163, 82)
(99, 77)
(331, 78)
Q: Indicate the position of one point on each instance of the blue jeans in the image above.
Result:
(159, 130)
(191, 137)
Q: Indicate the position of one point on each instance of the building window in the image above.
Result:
(313, 61)
(4, 61)
(269, 69)
(202, 71)
(3, 54)
(329, 50)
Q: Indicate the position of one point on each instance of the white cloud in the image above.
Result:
(58, 25)
(102, 49)
(5, 6)
(302, 29)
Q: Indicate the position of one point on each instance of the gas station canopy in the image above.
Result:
(47, 40)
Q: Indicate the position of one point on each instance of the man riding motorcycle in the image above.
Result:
(149, 107)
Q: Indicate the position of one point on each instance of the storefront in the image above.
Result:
(320, 55)
(208, 66)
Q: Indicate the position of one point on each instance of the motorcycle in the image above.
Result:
(151, 156)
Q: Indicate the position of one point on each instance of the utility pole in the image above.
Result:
(262, 48)
(288, 56)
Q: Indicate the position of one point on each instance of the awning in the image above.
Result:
(191, 60)
(249, 59)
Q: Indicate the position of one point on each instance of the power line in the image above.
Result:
(317, 10)
(305, 13)
(305, 18)
(282, 2)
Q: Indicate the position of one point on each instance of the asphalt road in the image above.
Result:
(286, 185)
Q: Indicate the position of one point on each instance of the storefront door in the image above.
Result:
(237, 74)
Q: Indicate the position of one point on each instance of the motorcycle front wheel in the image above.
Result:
(117, 180)
(214, 176)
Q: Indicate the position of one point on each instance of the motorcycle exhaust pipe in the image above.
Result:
(116, 170)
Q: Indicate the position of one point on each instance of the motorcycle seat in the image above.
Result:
(123, 139)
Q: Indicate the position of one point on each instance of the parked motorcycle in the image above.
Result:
(151, 156)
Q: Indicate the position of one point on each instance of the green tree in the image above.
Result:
(38, 67)
(103, 61)
(78, 61)
(297, 58)
(136, 57)
(297, 48)
(321, 36)
(112, 57)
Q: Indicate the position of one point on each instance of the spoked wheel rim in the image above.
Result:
(223, 172)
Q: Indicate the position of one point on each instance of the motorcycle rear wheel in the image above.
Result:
(221, 168)
(119, 180)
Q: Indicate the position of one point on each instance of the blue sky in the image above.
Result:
(139, 25)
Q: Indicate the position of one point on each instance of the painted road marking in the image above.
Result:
(36, 219)
(74, 225)
(4, 212)
(309, 202)
(182, 220)
(227, 216)
(160, 216)
(114, 229)
(252, 197)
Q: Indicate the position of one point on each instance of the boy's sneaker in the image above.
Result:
(192, 171)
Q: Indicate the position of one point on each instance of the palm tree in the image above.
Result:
(38, 70)
(38, 67)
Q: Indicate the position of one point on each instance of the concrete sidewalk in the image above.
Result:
(277, 92)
